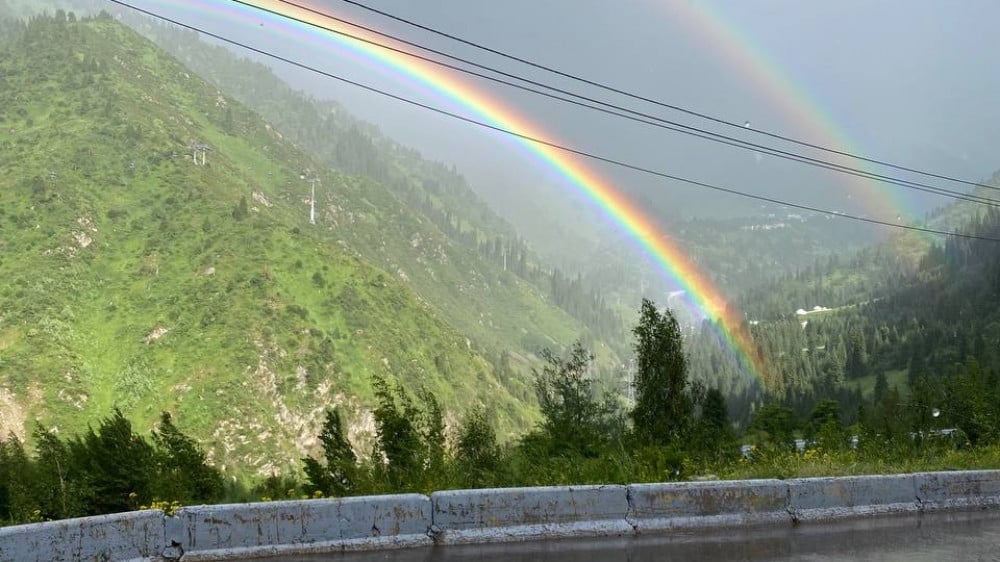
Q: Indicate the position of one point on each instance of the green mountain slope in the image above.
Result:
(134, 277)
(914, 308)
(492, 285)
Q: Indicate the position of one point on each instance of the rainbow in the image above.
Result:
(707, 25)
(614, 205)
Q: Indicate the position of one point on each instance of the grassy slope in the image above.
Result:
(110, 234)
(498, 310)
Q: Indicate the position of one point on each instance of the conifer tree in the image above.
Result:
(477, 450)
(663, 408)
(182, 472)
(574, 419)
(336, 476)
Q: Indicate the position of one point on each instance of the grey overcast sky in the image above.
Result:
(911, 81)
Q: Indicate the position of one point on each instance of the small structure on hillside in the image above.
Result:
(199, 148)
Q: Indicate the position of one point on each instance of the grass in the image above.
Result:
(816, 462)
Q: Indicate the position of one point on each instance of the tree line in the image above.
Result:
(584, 436)
(676, 429)
(108, 469)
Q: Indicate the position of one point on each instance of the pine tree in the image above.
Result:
(574, 418)
(477, 450)
(881, 386)
(336, 476)
(775, 425)
(715, 435)
(663, 408)
(182, 471)
(114, 463)
(242, 209)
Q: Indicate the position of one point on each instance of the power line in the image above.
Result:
(612, 109)
(543, 142)
(660, 103)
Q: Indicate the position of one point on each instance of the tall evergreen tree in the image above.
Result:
(398, 435)
(716, 437)
(663, 408)
(336, 476)
(477, 449)
(114, 463)
(182, 472)
(774, 424)
(574, 418)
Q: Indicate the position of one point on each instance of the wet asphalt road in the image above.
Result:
(936, 537)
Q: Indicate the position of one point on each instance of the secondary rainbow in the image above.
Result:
(612, 203)
(707, 25)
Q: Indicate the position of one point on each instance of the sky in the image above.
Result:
(911, 82)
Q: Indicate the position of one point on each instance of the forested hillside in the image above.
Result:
(503, 265)
(912, 309)
(598, 280)
(158, 256)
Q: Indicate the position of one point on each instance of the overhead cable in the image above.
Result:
(660, 103)
(553, 145)
(611, 109)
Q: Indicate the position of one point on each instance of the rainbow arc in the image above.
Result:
(678, 268)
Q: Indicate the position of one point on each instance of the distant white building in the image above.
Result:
(817, 308)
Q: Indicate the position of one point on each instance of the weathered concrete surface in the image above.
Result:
(707, 504)
(123, 536)
(848, 496)
(966, 488)
(513, 514)
(227, 532)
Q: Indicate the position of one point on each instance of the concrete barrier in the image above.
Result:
(707, 504)
(967, 488)
(512, 514)
(227, 532)
(847, 496)
(123, 536)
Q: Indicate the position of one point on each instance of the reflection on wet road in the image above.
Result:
(966, 536)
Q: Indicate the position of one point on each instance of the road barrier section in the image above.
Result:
(848, 496)
(513, 514)
(959, 489)
(228, 532)
(237, 532)
(707, 504)
(137, 535)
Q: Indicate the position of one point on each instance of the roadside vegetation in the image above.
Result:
(676, 430)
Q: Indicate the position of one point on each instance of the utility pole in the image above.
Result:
(630, 390)
(196, 148)
(312, 179)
